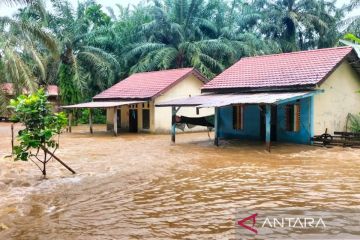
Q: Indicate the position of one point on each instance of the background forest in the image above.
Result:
(88, 49)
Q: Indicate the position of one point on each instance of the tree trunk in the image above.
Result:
(44, 165)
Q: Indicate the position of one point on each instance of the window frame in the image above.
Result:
(293, 117)
(146, 108)
(238, 117)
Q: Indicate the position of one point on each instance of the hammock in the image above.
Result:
(190, 122)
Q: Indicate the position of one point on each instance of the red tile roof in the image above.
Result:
(7, 88)
(280, 70)
(52, 90)
(147, 84)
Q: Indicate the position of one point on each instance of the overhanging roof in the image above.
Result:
(101, 104)
(282, 71)
(220, 100)
(148, 85)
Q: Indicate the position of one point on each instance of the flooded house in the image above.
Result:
(288, 97)
(130, 104)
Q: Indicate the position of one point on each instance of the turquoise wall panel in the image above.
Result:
(251, 129)
(302, 136)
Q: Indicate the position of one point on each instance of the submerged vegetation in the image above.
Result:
(86, 49)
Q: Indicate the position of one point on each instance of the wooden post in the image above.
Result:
(69, 122)
(90, 121)
(115, 121)
(268, 126)
(12, 138)
(216, 126)
(57, 159)
(173, 124)
(311, 119)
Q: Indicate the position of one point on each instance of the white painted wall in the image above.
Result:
(339, 98)
(191, 86)
(160, 117)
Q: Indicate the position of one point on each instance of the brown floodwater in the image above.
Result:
(139, 186)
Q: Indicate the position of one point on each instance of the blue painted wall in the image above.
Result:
(302, 136)
(251, 130)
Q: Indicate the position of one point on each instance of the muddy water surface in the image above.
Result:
(142, 187)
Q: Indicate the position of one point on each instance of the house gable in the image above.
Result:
(189, 86)
(339, 97)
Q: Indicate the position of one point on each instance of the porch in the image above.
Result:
(268, 117)
(113, 111)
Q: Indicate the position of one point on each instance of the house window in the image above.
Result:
(292, 117)
(119, 118)
(146, 118)
(238, 116)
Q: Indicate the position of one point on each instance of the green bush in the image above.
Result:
(98, 116)
(41, 124)
(354, 122)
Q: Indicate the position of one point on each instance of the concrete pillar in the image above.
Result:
(311, 119)
(216, 126)
(69, 122)
(268, 126)
(115, 121)
(173, 124)
(90, 121)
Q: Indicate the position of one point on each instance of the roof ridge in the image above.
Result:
(297, 52)
(165, 70)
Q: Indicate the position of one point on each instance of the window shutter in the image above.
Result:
(241, 117)
(287, 118)
(238, 115)
(297, 117)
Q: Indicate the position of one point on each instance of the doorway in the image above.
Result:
(119, 118)
(133, 120)
(273, 123)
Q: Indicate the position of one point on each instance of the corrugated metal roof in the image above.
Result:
(220, 100)
(101, 104)
(147, 84)
(301, 68)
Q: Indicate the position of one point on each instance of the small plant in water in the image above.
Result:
(354, 121)
(37, 141)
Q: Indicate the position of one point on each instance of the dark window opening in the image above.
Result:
(292, 117)
(146, 118)
(119, 118)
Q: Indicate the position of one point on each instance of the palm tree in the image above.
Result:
(296, 24)
(352, 23)
(80, 70)
(12, 2)
(22, 47)
(180, 35)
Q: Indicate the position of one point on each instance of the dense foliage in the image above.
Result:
(41, 124)
(87, 49)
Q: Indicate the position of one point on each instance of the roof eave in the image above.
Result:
(345, 58)
(260, 89)
(107, 99)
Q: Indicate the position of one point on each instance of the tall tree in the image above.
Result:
(180, 35)
(296, 24)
